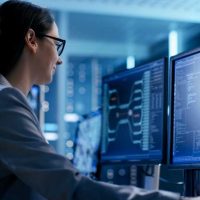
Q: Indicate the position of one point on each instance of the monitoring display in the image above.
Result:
(133, 114)
(87, 144)
(185, 109)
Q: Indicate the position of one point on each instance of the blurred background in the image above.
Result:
(106, 36)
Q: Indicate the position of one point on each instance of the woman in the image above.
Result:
(29, 168)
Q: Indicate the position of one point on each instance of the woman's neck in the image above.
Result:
(20, 80)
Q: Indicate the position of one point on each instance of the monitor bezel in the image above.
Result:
(170, 162)
(163, 159)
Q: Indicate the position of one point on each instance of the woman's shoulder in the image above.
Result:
(13, 101)
(11, 92)
(13, 97)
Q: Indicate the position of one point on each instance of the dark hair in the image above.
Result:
(16, 17)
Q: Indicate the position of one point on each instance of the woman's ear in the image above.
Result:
(31, 40)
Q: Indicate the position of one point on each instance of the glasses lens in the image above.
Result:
(60, 47)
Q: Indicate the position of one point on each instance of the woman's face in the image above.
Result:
(47, 57)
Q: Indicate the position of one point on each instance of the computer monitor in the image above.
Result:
(87, 141)
(34, 99)
(134, 114)
(184, 118)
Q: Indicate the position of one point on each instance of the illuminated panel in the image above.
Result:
(185, 111)
(87, 144)
(133, 114)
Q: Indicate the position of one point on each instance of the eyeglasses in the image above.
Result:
(60, 43)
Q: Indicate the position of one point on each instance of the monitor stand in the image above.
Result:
(156, 177)
(191, 182)
(152, 183)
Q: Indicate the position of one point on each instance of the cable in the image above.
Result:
(171, 182)
(149, 171)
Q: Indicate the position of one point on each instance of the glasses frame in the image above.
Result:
(57, 39)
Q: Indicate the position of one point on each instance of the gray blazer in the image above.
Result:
(30, 169)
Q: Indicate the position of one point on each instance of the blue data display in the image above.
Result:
(186, 110)
(133, 114)
(87, 144)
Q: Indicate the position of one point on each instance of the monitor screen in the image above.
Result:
(87, 144)
(185, 109)
(34, 99)
(134, 112)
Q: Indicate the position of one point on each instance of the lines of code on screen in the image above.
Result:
(186, 115)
